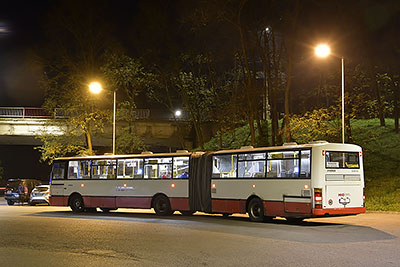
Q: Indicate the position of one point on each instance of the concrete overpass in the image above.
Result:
(20, 126)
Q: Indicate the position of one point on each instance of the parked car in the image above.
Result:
(19, 190)
(40, 195)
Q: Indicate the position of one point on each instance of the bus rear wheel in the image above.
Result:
(162, 206)
(76, 204)
(256, 210)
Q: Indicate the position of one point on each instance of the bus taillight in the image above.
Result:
(318, 198)
(364, 197)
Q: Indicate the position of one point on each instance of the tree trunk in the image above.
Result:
(220, 140)
(199, 134)
(89, 142)
(252, 130)
(348, 129)
(396, 90)
(290, 55)
(259, 128)
(374, 85)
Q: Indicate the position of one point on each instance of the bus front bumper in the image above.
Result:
(340, 211)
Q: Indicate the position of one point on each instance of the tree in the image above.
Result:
(71, 59)
(196, 96)
(320, 124)
(127, 76)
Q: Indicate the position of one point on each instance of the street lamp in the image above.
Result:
(324, 51)
(178, 113)
(96, 88)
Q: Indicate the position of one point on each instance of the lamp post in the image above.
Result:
(96, 88)
(324, 51)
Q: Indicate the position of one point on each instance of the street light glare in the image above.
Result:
(95, 87)
(322, 50)
(178, 113)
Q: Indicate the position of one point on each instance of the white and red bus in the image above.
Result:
(292, 181)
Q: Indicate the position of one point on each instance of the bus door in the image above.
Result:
(58, 184)
(343, 180)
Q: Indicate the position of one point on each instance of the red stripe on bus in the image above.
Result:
(101, 202)
(228, 206)
(274, 208)
(341, 211)
(298, 207)
(58, 201)
(179, 203)
(134, 202)
(271, 208)
(120, 202)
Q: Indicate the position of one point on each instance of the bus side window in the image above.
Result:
(283, 164)
(305, 164)
(157, 168)
(73, 169)
(104, 169)
(181, 167)
(251, 165)
(84, 169)
(58, 170)
(225, 166)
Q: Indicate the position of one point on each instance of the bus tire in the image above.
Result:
(162, 206)
(76, 203)
(256, 210)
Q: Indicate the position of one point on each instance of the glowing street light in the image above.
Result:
(178, 113)
(96, 88)
(323, 51)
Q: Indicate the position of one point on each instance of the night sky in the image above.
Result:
(356, 30)
(18, 78)
(364, 28)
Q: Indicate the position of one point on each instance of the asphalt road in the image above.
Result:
(54, 236)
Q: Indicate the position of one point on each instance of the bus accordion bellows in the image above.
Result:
(291, 181)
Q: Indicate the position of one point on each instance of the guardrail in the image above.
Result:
(21, 112)
(25, 113)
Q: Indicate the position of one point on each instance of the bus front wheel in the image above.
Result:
(162, 206)
(256, 210)
(76, 203)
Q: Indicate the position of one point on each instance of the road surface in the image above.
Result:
(54, 236)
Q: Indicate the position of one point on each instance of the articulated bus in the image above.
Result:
(291, 181)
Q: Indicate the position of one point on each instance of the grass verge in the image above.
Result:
(383, 194)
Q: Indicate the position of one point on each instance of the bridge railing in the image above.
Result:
(21, 112)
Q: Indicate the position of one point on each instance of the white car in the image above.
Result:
(40, 194)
